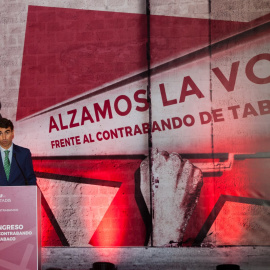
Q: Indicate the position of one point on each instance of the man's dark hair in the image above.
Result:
(5, 123)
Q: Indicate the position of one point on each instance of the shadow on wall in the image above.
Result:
(96, 266)
(55, 268)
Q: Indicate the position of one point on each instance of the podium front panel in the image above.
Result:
(20, 228)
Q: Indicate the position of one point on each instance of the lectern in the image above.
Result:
(20, 236)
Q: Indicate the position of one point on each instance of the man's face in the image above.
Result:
(6, 137)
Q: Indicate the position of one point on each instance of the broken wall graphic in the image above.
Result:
(84, 104)
(175, 188)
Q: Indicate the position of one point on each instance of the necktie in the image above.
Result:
(7, 164)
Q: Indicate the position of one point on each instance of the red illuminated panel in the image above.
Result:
(51, 233)
(122, 223)
(243, 184)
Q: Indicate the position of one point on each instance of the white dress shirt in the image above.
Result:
(10, 149)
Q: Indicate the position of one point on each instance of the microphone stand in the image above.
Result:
(25, 179)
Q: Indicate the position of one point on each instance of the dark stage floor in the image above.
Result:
(134, 258)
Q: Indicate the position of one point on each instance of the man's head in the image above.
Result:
(6, 133)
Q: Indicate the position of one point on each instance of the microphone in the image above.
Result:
(25, 179)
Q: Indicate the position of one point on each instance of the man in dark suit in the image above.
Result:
(16, 168)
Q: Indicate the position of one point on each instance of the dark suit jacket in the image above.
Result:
(16, 177)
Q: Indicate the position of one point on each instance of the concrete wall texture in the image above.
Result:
(145, 129)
